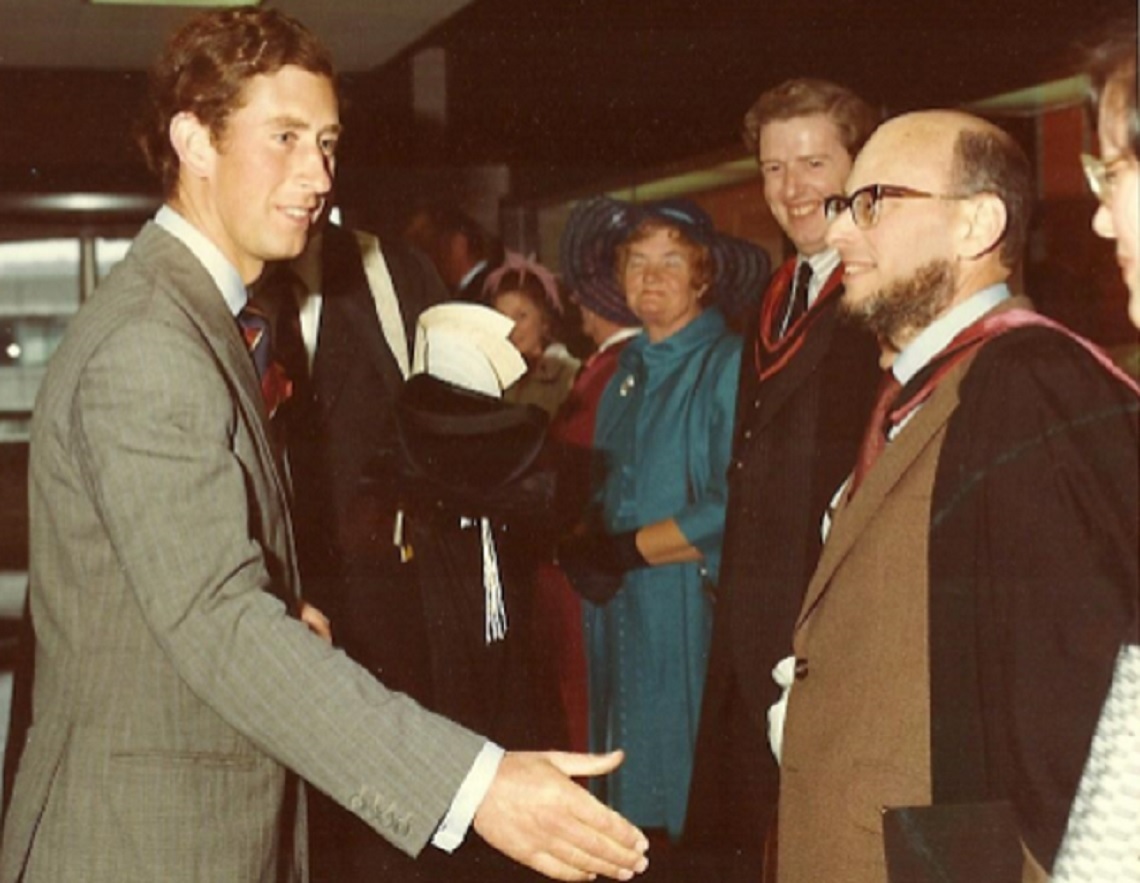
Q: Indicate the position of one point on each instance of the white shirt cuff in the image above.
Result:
(461, 813)
(784, 674)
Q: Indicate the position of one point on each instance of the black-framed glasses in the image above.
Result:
(864, 202)
(1100, 175)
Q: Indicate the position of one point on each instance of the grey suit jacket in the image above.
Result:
(174, 688)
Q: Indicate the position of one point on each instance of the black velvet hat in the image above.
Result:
(464, 441)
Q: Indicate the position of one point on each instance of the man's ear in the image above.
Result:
(984, 221)
(193, 143)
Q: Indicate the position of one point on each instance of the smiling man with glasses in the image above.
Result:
(980, 572)
(806, 387)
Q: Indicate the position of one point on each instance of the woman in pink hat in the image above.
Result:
(526, 292)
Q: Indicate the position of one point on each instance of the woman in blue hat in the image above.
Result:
(664, 430)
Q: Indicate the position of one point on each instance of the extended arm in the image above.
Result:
(538, 816)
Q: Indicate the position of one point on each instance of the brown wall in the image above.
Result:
(740, 209)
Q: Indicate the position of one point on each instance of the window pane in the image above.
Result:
(29, 341)
(39, 291)
(109, 252)
(39, 276)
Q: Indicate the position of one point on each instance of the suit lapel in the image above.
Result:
(794, 361)
(852, 518)
(199, 297)
(350, 329)
(780, 387)
(195, 292)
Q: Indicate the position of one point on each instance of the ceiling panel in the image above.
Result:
(75, 34)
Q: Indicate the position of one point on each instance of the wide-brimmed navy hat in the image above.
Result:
(597, 226)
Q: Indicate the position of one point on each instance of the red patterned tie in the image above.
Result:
(271, 327)
(875, 439)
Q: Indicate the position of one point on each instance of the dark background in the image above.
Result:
(569, 93)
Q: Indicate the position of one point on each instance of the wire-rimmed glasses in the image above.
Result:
(1100, 174)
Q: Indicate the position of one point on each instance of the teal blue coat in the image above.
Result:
(664, 432)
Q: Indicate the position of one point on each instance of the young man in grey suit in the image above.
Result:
(177, 685)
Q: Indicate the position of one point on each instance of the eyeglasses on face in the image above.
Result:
(864, 202)
(1100, 174)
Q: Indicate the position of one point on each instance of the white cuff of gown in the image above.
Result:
(784, 674)
(461, 813)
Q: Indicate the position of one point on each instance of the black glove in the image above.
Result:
(595, 563)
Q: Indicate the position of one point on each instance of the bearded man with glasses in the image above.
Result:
(980, 572)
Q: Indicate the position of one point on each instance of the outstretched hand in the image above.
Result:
(317, 622)
(535, 814)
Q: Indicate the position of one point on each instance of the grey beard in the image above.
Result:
(908, 305)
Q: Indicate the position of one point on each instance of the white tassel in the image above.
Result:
(398, 537)
(495, 611)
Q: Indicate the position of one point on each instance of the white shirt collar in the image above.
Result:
(935, 336)
(823, 264)
(470, 274)
(617, 337)
(224, 274)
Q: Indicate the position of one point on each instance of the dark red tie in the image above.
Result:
(875, 438)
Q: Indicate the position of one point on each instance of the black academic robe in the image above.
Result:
(797, 433)
(410, 623)
(349, 566)
(1034, 585)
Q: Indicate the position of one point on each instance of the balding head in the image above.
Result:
(967, 156)
(950, 195)
(923, 143)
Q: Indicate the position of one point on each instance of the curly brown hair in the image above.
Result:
(853, 116)
(203, 70)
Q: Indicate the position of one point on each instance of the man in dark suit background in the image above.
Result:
(358, 325)
(463, 252)
(806, 386)
(388, 603)
(176, 686)
(357, 340)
